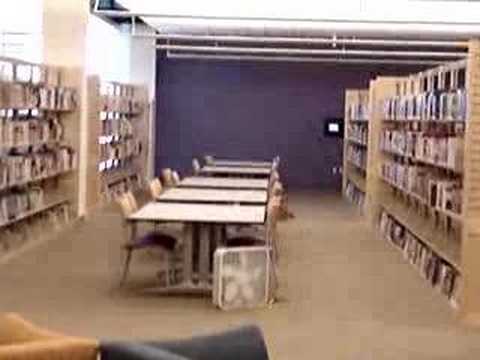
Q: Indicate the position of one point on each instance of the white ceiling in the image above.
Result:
(461, 12)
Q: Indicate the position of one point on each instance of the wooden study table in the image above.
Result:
(204, 215)
(224, 183)
(247, 172)
(218, 196)
(242, 163)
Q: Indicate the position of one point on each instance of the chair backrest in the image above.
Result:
(127, 203)
(273, 213)
(155, 187)
(276, 163)
(167, 177)
(274, 176)
(133, 201)
(208, 159)
(175, 178)
(196, 166)
(276, 189)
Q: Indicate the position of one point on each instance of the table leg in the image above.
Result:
(187, 253)
(204, 266)
(219, 235)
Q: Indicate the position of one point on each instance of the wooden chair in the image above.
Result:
(167, 177)
(152, 239)
(196, 166)
(155, 187)
(208, 159)
(276, 162)
(176, 178)
(258, 235)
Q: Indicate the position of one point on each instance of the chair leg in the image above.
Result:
(169, 268)
(126, 267)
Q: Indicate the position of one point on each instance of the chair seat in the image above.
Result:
(244, 241)
(153, 239)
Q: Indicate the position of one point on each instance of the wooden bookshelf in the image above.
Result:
(355, 140)
(423, 168)
(117, 140)
(39, 143)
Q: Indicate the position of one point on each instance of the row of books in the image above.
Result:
(113, 164)
(16, 170)
(131, 182)
(121, 127)
(354, 195)
(358, 112)
(115, 89)
(13, 238)
(120, 105)
(439, 193)
(443, 151)
(29, 132)
(121, 150)
(26, 96)
(438, 272)
(34, 74)
(357, 156)
(16, 204)
(437, 105)
(357, 133)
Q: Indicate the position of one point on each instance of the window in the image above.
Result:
(21, 29)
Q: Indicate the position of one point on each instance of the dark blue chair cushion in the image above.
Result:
(244, 343)
(153, 239)
(135, 351)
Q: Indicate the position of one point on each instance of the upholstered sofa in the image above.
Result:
(21, 340)
(243, 343)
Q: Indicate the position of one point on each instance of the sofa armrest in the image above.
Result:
(54, 349)
(14, 329)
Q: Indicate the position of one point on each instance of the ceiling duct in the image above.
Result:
(303, 59)
(204, 37)
(310, 52)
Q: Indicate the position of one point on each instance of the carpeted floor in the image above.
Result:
(345, 294)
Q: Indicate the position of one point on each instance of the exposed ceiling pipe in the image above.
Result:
(299, 59)
(293, 51)
(304, 40)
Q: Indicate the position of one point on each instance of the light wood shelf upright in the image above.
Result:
(117, 153)
(356, 126)
(425, 198)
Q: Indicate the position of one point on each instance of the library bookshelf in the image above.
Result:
(423, 175)
(117, 140)
(39, 142)
(355, 145)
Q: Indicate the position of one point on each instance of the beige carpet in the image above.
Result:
(345, 293)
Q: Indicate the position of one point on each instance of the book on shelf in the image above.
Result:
(19, 169)
(438, 272)
(443, 151)
(439, 193)
(357, 133)
(18, 95)
(433, 105)
(358, 111)
(16, 204)
(357, 156)
(354, 195)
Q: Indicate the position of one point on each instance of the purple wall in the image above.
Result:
(253, 110)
